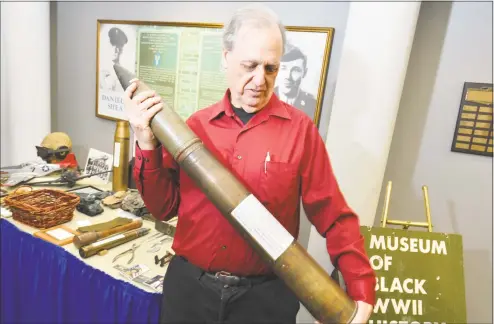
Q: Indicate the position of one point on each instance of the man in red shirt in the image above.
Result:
(276, 151)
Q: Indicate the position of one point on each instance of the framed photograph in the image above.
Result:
(301, 79)
(182, 62)
(98, 161)
(59, 235)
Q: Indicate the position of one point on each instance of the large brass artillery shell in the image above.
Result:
(111, 242)
(322, 297)
(121, 156)
(91, 237)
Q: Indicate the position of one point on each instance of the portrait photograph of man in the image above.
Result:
(301, 69)
(114, 43)
(293, 69)
(117, 45)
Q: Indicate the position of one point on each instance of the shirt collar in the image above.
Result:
(275, 107)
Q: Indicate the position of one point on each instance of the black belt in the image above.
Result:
(229, 279)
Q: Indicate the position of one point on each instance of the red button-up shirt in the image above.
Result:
(299, 171)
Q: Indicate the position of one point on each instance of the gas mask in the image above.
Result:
(49, 155)
(55, 147)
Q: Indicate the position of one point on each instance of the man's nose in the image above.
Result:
(291, 75)
(259, 76)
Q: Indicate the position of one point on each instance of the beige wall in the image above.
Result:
(453, 45)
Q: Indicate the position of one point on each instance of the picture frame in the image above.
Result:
(98, 161)
(182, 62)
(85, 190)
(59, 235)
(304, 67)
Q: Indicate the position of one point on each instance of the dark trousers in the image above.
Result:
(192, 296)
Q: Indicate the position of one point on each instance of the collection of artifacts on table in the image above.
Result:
(55, 158)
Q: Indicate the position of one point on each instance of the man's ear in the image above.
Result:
(305, 72)
(224, 59)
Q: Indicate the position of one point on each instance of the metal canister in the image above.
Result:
(121, 156)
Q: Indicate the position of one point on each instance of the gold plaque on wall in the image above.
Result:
(473, 133)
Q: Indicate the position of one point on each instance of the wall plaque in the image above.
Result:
(473, 133)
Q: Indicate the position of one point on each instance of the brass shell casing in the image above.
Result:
(315, 289)
(322, 297)
(109, 243)
(121, 157)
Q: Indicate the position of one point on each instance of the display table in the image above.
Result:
(42, 282)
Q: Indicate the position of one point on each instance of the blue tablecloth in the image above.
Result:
(43, 283)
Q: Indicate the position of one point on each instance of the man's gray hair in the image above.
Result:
(255, 14)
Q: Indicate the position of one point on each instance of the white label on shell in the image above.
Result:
(116, 155)
(110, 239)
(263, 226)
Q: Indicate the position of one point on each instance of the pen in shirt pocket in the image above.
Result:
(266, 160)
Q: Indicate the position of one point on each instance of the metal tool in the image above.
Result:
(157, 246)
(164, 259)
(68, 178)
(154, 236)
(131, 250)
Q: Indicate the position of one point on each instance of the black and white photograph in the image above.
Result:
(98, 161)
(116, 45)
(302, 74)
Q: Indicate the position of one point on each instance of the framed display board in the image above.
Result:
(182, 62)
(473, 132)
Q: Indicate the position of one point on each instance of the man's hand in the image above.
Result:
(364, 312)
(139, 111)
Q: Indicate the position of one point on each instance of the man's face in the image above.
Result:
(252, 66)
(290, 76)
(116, 51)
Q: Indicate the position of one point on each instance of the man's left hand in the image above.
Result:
(364, 311)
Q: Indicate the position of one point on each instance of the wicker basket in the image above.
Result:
(43, 208)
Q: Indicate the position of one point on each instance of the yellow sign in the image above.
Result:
(420, 276)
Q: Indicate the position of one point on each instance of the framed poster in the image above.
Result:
(182, 62)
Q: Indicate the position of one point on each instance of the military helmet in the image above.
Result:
(117, 37)
(55, 147)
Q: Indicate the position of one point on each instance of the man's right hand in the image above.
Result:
(140, 110)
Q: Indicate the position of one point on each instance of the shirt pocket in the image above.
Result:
(278, 185)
